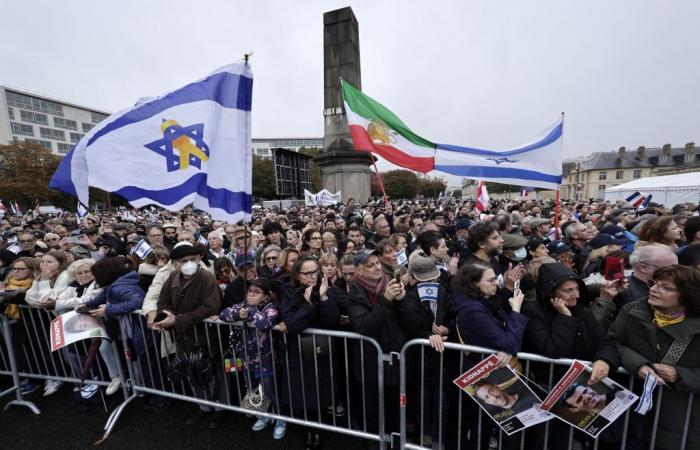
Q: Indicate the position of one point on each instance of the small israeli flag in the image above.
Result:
(428, 292)
(12, 240)
(14, 248)
(142, 249)
(647, 399)
(402, 258)
(202, 240)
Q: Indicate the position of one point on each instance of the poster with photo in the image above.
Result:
(503, 395)
(72, 327)
(590, 408)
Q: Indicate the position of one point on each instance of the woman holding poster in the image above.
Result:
(484, 319)
(660, 338)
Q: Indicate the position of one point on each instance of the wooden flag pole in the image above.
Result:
(379, 178)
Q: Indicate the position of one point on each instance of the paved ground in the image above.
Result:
(60, 426)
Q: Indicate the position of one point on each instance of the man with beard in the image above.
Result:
(486, 243)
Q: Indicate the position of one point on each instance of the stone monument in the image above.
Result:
(342, 167)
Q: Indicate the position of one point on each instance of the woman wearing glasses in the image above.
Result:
(269, 262)
(306, 386)
(660, 338)
(312, 243)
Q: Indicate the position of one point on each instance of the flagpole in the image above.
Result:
(556, 206)
(379, 178)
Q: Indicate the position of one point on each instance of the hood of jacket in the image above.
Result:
(551, 277)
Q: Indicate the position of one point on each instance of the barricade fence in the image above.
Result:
(330, 380)
(446, 418)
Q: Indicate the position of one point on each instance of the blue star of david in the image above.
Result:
(429, 291)
(164, 146)
(499, 161)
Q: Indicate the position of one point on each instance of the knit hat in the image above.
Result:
(422, 267)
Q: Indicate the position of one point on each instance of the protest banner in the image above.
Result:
(503, 395)
(590, 408)
(72, 327)
(321, 198)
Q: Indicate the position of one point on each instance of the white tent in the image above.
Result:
(667, 190)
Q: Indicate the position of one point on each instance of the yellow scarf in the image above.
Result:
(12, 311)
(663, 320)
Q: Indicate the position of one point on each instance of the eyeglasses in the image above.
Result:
(271, 258)
(51, 239)
(663, 287)
(311, 273)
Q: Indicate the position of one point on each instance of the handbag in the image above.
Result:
(311, 349)
(256, 400)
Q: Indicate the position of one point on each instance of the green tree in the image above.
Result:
(25, 170)
(431, 187)
(263, 178)
(498, 188)
(315, 170)
(400, 184)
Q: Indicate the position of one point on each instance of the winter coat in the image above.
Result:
(306, 376)
(254, 347)
(417, 317)
(479, 326)
(639, 342)
(42, 290)
(382, 322)
(69, 298)
(555, 335)
(192, 301)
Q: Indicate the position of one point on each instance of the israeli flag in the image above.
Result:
(402, 258)
(142, 249)
(428, 292)
(202, 240)
(14, 248)
(188, 146)
(81, 212)
(536, 164)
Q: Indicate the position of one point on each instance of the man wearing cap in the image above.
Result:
(246, 271)
(513, 252)
(561, 252)
(540, 228)
(459, 243)
(189, 296)
(374, 307)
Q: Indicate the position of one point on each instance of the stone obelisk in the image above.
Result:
(342, 168)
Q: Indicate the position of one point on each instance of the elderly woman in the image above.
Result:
(81, 290)
(659, 338)
(269, 262)
(330, 242)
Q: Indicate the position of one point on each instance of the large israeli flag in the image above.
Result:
(191, 145)
(537, 163)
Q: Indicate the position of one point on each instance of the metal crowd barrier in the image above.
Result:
(324, 380)
(8, 366)
(449, 394)
(29, 349)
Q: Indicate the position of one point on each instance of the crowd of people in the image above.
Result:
(601, 283)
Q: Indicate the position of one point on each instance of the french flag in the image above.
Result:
(635, 199)
(523, 191)
(644, 203)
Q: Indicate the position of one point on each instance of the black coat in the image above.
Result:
(303, 378)
(383, 323)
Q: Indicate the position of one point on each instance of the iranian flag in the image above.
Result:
(377, 130)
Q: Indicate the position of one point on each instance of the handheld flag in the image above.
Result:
(524, 190)
(402, 258)
(190, 145)
(536, 164)
(19, 211)
(142, 249)
(644, 204)
(14, 248)
(377, 130)
(428, 292)
(482, 197)
(202, 240)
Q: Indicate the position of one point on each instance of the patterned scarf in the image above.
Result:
(663, 320)
(373, 288)
(12, 310)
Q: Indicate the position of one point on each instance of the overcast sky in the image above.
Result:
(473, 73)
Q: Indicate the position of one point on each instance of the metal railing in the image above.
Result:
(454, 403)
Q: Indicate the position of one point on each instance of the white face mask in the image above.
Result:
(520, 254)
(188, 268)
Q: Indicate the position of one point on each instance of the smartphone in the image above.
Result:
(397, 276)
(614, 268)
(83, 310)
(516, 287)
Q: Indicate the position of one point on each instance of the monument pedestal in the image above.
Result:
(342, 167)
(346, 170)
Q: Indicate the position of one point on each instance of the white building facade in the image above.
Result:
(263, 146)
(55, 124)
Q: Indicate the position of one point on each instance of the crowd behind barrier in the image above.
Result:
(357, 319)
